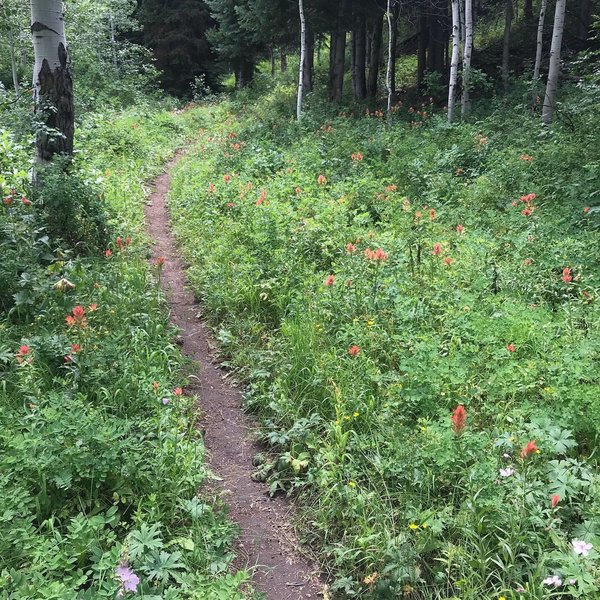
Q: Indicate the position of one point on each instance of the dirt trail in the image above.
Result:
(267, 540)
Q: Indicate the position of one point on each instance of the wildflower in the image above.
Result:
(431, 214)
(77, 317)
(555, 500)
(128, 579)
(128, 241)
(108, 253)
(527, 212)
(391, 188)
(350, 248)
(566, 275)
(75, 348)
(586, 209)
(511, 348)
(581, 547)
(529, 449)
(572, 581)
(22, 352)
(178, 391)
(329, 280)
(371, 579)
(119, 242)
(448, 260)
(321, 180)
(354, 350)
(165, 401)
(413, 526)
(508, 472)
(437, 249)
(405, 204)
(527, 262)
(211, 187)
(25, 201)
(263, 196)
(376, 255)
(527, 198)
(526, 158)
(555, 581)
(459, 229)
(155, 385)
(352, 484)
(93, 307)
(298, 191)
(356, 414)
(159, 262)
(357, 156)
(459, 419)
(227, 178)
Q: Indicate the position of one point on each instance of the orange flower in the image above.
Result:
(262, 197)
(459, 229)
(93, 307)
(526, 157)
(77, 317)
(448, 260)
(160, 261)
(391, 188)
(178, 391)
(432, 214)
(227, 178)
(329, 280)
(357, 156)
(529, 449)
(566, 275)
(459, 419)
(376, 255)
(25, 201)
(75, 348)
(350, 248)
(155, 385)
(119, 242)
(511, 348)
(22, 352)
(321, 180)
(527, 262)
(298, 191)
(354, 350)
(437, 249)
(211, 187)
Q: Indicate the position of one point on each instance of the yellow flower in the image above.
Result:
(425, 525)
(423, 429)
(413, 526)
(356, 414)
(370, 322)
(352, 484)
(346, 418)
(502, 598)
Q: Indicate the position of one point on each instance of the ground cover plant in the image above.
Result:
(100, 459)
(415, 310)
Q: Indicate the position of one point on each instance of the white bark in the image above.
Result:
(540, 42)
(454, 60)
(13, 61)
(52, 82)
(302, 59)
(468, 51)
(388, 75)
(552, 85)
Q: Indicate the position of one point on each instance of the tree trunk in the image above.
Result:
(376, 47)
(359, 53)
(584, 18)
(302, 70)
(283, 62)
(421, 49)
(454, 60)
(394, 47)
(52, 80)
(528, 10)
(540, 42)
(468, 50)
(508, 17)
(338, 55)
(113, 41)
(309, 63)
(552, 85)
(272, 57)
(391, 57)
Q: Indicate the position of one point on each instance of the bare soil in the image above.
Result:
(268, 544)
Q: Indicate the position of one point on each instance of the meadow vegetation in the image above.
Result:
(414, 308)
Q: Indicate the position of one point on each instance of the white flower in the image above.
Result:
(555, 580)
(507, 472)
(581, 547)
(505, 455)
(572, 581)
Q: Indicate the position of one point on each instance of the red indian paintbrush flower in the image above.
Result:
(529, 449)
(329, 280)
(22, 353)
(459, 419)
(566, 275)
(555, 500)
(437, 249)
(354, 350)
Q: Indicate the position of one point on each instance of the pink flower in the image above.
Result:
(25, 201)
(108, 253)
(566, 275)
(511, 347)
(350, 248)
(22, 352)
(459, 229)
(227, 178)
(329, 280)
(586, 209)
(357, 156)
(581, 547)
(178, 391)
(128, 579)
(211, 187)
(376, 255)
(448, 260)
(555, 500)
(321, 180)
(354, 350)
(437, 249)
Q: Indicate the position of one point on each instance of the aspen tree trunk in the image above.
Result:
(52, 80)
(396, 15)
(113, 41)
(508, 17)
(540, 42)
(391, 57)
(468, 50)
(552, 85)
(454, 60)
(302, 59)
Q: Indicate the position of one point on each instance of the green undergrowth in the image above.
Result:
(368, 280)
(100, 458)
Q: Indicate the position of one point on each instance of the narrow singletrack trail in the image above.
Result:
(267, 542)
